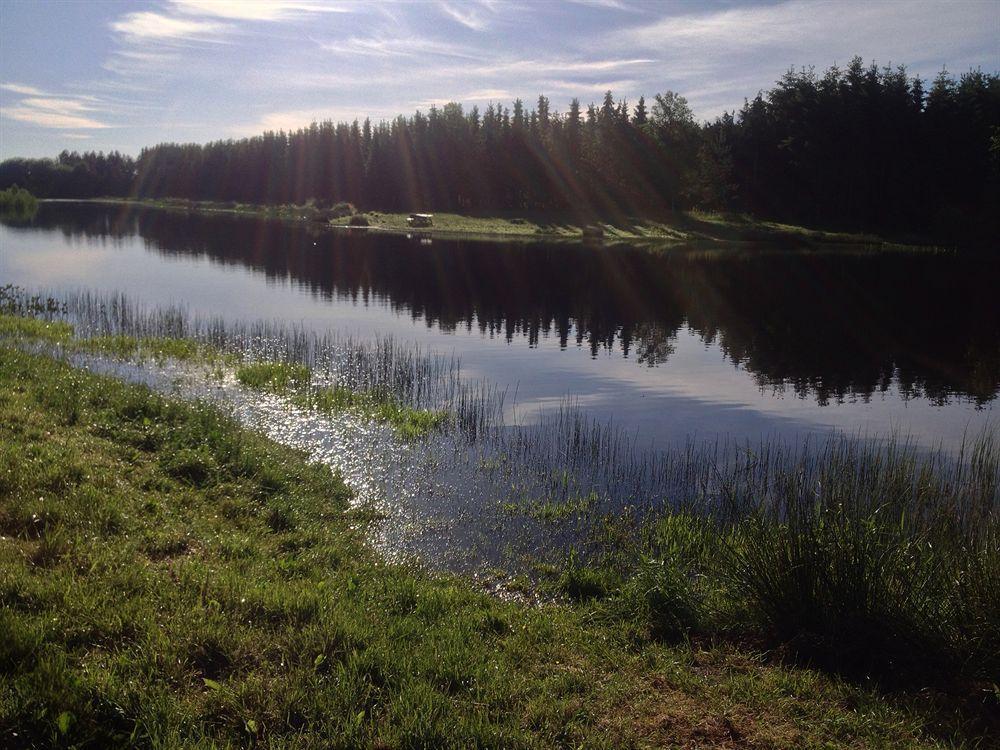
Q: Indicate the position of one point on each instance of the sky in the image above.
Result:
(109, 75)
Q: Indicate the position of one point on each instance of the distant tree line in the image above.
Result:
(864, 148)
(72, 175)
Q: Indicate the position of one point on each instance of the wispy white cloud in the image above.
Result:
(52, 119)
(148, 25)
(818, 32)
(534, 75)
(132, 62)
(479, 96)
(608, 4)
(18, 88)
(292, 119)
(483, 95)
(540, 67)
(572, 88)
(58, 105)
(470, 15)
(408, 46)
(60, 112)
(259, 10)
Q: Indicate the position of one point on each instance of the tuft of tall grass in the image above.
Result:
(273, 376)
(409, 422)
(869, 559)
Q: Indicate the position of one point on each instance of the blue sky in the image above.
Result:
(121, 75)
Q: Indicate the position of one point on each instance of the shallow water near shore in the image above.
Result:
(513, 480)
(668, 346)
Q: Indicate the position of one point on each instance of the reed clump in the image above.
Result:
(871, 560)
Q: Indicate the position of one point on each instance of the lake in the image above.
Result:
(670, 344)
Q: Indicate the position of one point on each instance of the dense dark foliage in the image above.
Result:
(865, 148)
(72, 175)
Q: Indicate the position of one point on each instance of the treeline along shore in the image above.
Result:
(862, 149)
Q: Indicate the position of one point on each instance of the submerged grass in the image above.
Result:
(278, 377)
(294, 379)
(170, 579)
(158, 348)
(410, 423)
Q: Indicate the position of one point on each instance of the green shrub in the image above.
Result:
(340, 210)
(17, 202)
(661, 597)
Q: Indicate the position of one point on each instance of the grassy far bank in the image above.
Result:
(169, 579)
(677, 227)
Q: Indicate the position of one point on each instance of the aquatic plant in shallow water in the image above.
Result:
(409, 422)
(273, 376)
(159, 348)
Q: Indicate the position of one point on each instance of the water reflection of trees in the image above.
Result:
(829, 327)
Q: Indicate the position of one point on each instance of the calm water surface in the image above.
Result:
(670, 345)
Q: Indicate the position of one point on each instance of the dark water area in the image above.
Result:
(670, 344)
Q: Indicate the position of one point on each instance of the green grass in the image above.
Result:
(865, 574)
(17, 202)
(278, 377)
(688, 227)
(287, 211)
(169, 579)
(28, 328)
(680, 227)
(158, 348)
(293, 379)
(553, 511)
(409, 422)
(34, 329)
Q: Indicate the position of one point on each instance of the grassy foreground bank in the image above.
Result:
(169, 579)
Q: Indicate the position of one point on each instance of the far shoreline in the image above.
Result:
(679, 229)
